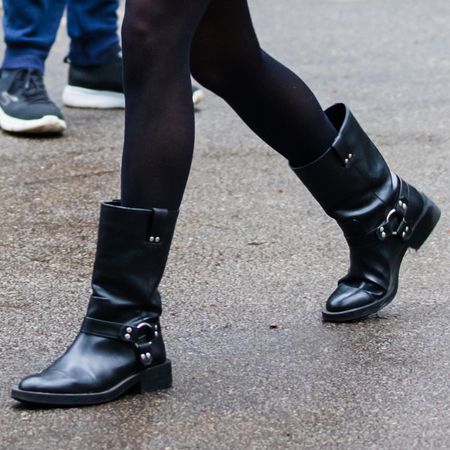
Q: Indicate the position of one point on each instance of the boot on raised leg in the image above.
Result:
(380, 214)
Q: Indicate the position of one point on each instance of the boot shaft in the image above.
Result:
(351, 180)
(132, 250)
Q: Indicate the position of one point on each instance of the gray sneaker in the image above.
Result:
(25, 106)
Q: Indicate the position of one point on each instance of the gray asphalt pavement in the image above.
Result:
(252, 250)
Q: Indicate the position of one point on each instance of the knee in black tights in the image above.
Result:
(146, 27)
(159, 32)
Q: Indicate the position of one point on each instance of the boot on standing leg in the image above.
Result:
(119, 346)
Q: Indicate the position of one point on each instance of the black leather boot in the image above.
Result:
(380, 214)
(120, 346)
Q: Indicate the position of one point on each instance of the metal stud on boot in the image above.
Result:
(380, 214)
(120, 346)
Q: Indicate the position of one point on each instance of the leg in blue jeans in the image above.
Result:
(30, 28)
(92, 26)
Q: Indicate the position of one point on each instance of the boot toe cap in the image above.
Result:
(347, 297)
(33, 383)
(49, 382)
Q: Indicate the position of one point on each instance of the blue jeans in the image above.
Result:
(30, 28)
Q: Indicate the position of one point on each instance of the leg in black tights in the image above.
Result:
(274, 102)
(159, 117)
(226, 58)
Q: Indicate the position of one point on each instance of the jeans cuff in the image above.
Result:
(88, 52)
(24, 58)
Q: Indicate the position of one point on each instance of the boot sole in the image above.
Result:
(149, 380)
(425, 225)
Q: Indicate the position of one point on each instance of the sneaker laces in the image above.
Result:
(30, 83)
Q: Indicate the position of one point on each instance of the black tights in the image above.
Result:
(163, 42)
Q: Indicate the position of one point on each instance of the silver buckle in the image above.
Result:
(146, 358)
(403, 228)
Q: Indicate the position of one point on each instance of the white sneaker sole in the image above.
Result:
(44, 125)
(77, 97)
(198, 96)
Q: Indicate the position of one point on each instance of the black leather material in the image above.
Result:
(376, 210)
(127, 271)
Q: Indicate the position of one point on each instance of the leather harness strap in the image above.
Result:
(140, 332)
(399, 222)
